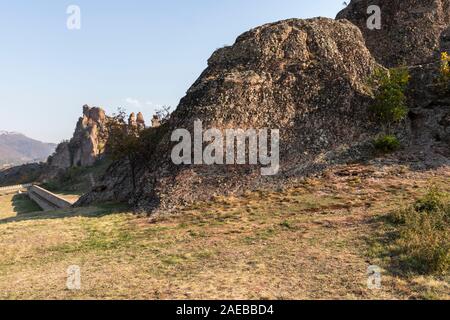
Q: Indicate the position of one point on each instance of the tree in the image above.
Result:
(123, 142)
(163, 114)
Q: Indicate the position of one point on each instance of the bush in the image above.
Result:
(389, 93)
(424, 234)
(432, 201)
(386, 143)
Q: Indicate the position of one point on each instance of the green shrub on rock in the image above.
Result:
(390, 104)
(389, 93)
(387, 143)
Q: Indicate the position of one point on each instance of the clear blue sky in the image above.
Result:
(137, 54)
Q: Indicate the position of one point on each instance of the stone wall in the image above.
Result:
(47, 200)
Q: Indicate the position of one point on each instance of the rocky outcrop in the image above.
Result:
(413, 34)
(88, 141)
(140, 121)
(62, 158)
(156, 121)
(429, 108)
(306, 78)
(412, 31)
(136, 121)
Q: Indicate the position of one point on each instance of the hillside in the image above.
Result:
(16, 148)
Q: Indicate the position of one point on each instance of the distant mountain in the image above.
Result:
(15, 149)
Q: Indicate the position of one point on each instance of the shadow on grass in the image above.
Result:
(380, 241)
(88, 212)
(22, 204)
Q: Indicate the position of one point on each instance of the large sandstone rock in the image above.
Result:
(88, 141)
(412, 31)
(305, 77)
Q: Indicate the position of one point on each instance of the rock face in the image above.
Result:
(88, 141)
(306, 78)
(413, 34)
(62, 158)
(412, 31)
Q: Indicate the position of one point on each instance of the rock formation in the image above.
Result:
(140, 121)
(156, 122)
(412, 31)
(132, 120)
(62, 158)
(88, 141)
(137, 121)
(304, 77)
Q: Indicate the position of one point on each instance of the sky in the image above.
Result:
(134, 54)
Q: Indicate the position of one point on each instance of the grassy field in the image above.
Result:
(16, 204)
(314, 240)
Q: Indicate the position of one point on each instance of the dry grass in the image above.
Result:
(422, 234)
(314, 240)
